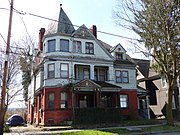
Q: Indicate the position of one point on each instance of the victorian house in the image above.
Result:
(74, 70)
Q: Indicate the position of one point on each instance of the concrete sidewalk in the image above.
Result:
(31, 130)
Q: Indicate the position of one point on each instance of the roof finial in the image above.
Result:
(60, 5)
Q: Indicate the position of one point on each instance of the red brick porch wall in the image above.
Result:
(132, 109)
(57, 115)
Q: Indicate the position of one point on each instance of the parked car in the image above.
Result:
(15, 120)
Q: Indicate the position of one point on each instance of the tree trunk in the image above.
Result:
(169, 114)
(2, 114)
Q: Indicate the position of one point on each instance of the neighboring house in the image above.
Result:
(73, 70)
(156, 87)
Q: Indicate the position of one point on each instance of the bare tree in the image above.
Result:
(13, 85)
(25, 47)
(157, 22)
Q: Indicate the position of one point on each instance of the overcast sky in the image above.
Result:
(88, 12)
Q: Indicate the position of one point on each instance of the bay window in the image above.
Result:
(64, 45)
(64, 70)
(51, 70)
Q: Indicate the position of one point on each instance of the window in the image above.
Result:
(122, 76)
(50, 100)
(64, 70)
(89, 47)
(95, 74)
(77, 48)
(123, 101)
(163, 81)
(51, 45)
(51, 71)
(125, 78)
(64, 45)
(86, 73)
(173, 103)
(101, 75)
(119, 56)
(64, 102)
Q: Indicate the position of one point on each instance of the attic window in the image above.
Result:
(119, 56)
(77, 48)
(89, 48)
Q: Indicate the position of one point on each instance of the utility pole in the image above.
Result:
(4, 85)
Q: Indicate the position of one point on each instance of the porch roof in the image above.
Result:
(89, 85)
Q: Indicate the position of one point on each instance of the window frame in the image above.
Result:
(64, 70)
(48, 71)
(124, 102)
(50, 101)
(62, 45)
(48, 44)
(76, 46)
(65, 101)
(89, 48)
(119, 56)
(121, 77)
(163, 81)
(102, 75)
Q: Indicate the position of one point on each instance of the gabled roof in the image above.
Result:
(114, 48)
(83, 32)
(64, 23)
(88, 85)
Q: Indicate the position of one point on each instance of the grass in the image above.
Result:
(159, 128)
(87, 132)
(116, 131)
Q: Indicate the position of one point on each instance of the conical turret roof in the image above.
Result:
(64, 23)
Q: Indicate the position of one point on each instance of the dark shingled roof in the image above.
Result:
(143, 66)
(105, 84)
(64, 24)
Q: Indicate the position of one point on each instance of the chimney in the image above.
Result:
(93, 29)
(41, 35)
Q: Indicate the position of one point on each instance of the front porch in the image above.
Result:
(95, 94)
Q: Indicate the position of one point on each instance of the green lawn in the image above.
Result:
(87, 132)
(117, 131)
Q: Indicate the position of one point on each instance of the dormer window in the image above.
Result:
(119, 56)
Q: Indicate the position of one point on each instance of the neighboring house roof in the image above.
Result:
(141, 91)
(99, 85)
(143, 66)
(64, 23)
(106, 46)
(119, 62)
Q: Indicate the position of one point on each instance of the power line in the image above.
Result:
(42, 17)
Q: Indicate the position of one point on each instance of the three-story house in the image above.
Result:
(76, 70)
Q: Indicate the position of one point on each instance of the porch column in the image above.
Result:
(111, 73)
(97, 99)
(147, 103)
(92, 72)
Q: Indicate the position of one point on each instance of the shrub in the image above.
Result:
(97, 116)
(6, 128)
